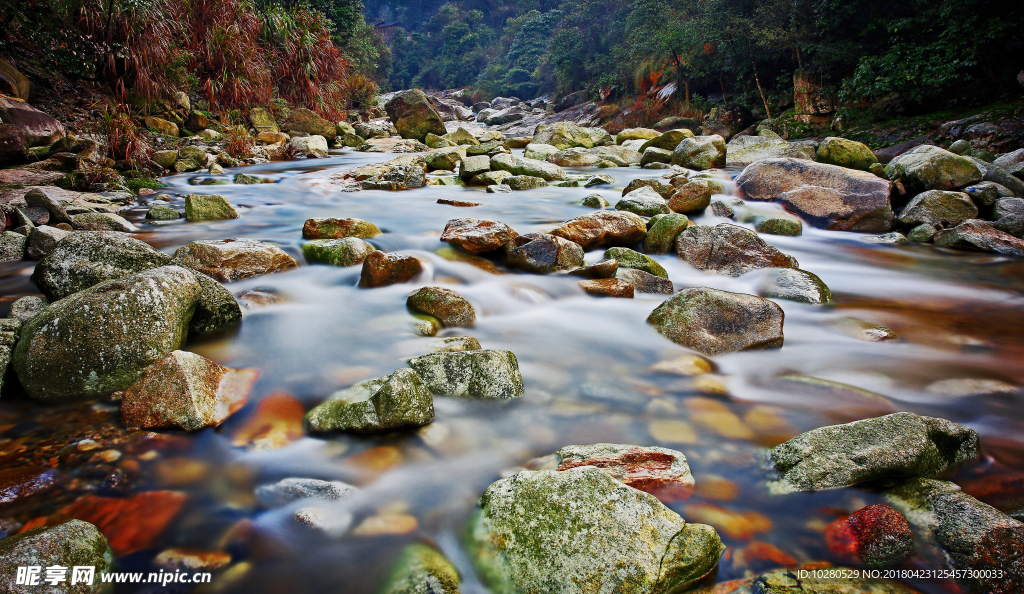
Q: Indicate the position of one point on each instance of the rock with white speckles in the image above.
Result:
(100, 340)
(482, 373)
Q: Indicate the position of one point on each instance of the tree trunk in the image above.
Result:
(757, 79)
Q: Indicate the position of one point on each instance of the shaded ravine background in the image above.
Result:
(586, 367)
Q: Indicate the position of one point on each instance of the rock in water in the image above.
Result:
(661, 237)
(42, 240)
(522, 166)
(338, 229)
(444, 304)
(70, 544)
(184, 390)
(661, 472)
(541, 253)
(471, 374)
(607, 287)
(628, 258)
(563, 135)
(477, 236)
(398, 401)
(981, 236)
(216, 309)
(347, 251)
(716, 322)
(201, 207)
(287, 490)
(935, 206)
(877, 536)
(229, 260)
(928, 167)
(603, 229)
(645, 282)
(580, 531)
(414, 115)
(101, 339)
(381, 269)
(700, 152)
(39, 198)
(101, 221)
(898, 445)
(826, 196)
(86, 258)
(975, 536)
(643, 201)
(422, 569)
(728, 249)
(794, 284)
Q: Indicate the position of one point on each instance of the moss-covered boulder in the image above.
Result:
(208, 207)
(700, 152)
(667, 141)
(936, 206)
(71, 544)
(347, 251)
(539, 151)
(694, 196)
(397, 401)
(444, 304)
(845, 153)
(661, 237)
(580, 531)
(644, 201)
(414, 116)
(563, 135)
(471, 374)
(929, 167)
(331, 228)
(310, 122)
(715, 322)
(532, 167)
(898, 445)
(421, 569)
(99, 340)
(262, 120)
(628, 258)
(86, 258)
(162, 213)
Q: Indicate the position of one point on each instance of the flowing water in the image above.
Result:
(586, 364)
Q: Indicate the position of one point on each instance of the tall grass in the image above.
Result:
(232, 52)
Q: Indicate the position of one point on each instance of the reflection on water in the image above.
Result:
(586, 363)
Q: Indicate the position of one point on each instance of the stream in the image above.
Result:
(587, 367)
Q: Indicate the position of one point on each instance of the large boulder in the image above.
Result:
(308, 121)
(477, 235)
(744, 150)
(71, 544)
(604, 155)
(700, 152)
(826, 196)
(603, 229)
(845, 153)
(644, 201)
(86, 258)
(481, 373)
(523, 166)
(1009, 216)
(229, 260)
(542, 253)
(661, 237)
(580, 531)
(898, 445)
(99, 340)
(983, 543)
(262, 120)
(667, 141)
(716, 322)
(208, 207)
(728, 249)
(936, 206)
(928, 167)
(397, 401)
(391, 176)
(186, 391)
(978, 235)
(563, 135)
(23, 127)
(414, 116)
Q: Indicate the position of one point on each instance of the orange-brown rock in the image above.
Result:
(381, 269)
(607, 287)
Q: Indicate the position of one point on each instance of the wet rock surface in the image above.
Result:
(980, 236)
(794, 284)
(444, 304)
(603, 229)
(330, 228)
(580, 529)
(288, 490)
(471, 374)
(477, 235)
(231, 260)
(715, 322)
(607, 287)
(422, 569)
(381, 269)
(398, 401)
(877, 536)
(662, 472)
(347, 251)
(897, 445)
(543, 253)
(728, 249)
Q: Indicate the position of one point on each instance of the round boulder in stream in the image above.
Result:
(101, 339)
(229, 260)
(579, 531)
(929, 167)
(715, 322)
(69, 544)
(444, 304)
(477, 236)
(794, 284)
(398, 401)
(898, 445)
(381, 269)
(644, 201)
(604, 229)
(542, 253)
(471, 374)
(347, 251)
(728, 249)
